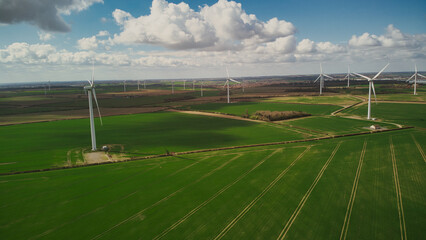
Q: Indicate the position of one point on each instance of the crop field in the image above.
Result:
(407, 114)
(341, 100)
(363, 187)
(251, 107)
(335, 125)
(47, 144)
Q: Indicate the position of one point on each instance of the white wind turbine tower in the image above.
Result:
(193, 85)
(173, 87)
(321, 78)
(124, 85)
(371, 87)
(144, 84)
(138, 85)
(415, 78)
(91, 91)
(227, 83)
(201, 88)
(184, 84)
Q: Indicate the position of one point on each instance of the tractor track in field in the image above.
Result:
(111, 202)
(137, 214)
(419, 147)
(347, 219)
(258, 197)
(195, 210)
(208, 150)
(401, 214)
(302, 202)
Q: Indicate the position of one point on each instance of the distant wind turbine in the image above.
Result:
(184, 84)
(124, 85)
(227, 84)
(138, 85)
(371, 87)
(49, 85)
(348, 76)
(144, 84)
(193, 85)
(91, 91)
(201, 88)
(321, 78)
(415, 78)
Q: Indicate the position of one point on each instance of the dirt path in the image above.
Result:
(216, 115)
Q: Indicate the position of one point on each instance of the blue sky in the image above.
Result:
(308, 32)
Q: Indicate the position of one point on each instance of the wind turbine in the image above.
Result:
(91, 90)
(144, 84)
(201, 88)
(124, 85)
(227, 83)
(348, 76)
(321, 78)
(138, 85)
(49, 85)
(371, 87)
(184, 86)
(415, 78)
(193, 85)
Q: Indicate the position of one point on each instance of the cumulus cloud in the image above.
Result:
(224, 25)
(45, 36)
(44, 14)
(89, 43)
(393, 37)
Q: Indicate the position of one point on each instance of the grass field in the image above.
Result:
(364, 187)
(335, 125)
(341, 100)
(251, 107)
(407, 114)
(37, 145)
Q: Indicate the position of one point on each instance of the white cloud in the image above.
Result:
(44, 14)
(43, 36)
(224, 25)
(103, 33)
(89, 43)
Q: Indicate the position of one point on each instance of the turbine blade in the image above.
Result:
(93, 73)
(380, 71)
(317, 78)
(235, 81)
(415, 68)
(328, 76)
(411, 77)
(421, 75)
(226, 82)
(321, 67)
(227, 73)
(97, 105)
(374, 92)
(362, 76)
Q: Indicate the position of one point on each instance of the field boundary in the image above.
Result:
(348, 214)
(302, 202)
(207, 150)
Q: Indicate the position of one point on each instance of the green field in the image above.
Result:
(406, 114)
(335, 125)
(251, 107)
(43, 145)
(294, 191)
(341, 100)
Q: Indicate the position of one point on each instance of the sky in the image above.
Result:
(57, 40)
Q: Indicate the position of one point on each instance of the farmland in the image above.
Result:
(287, 191)
(165, 178)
